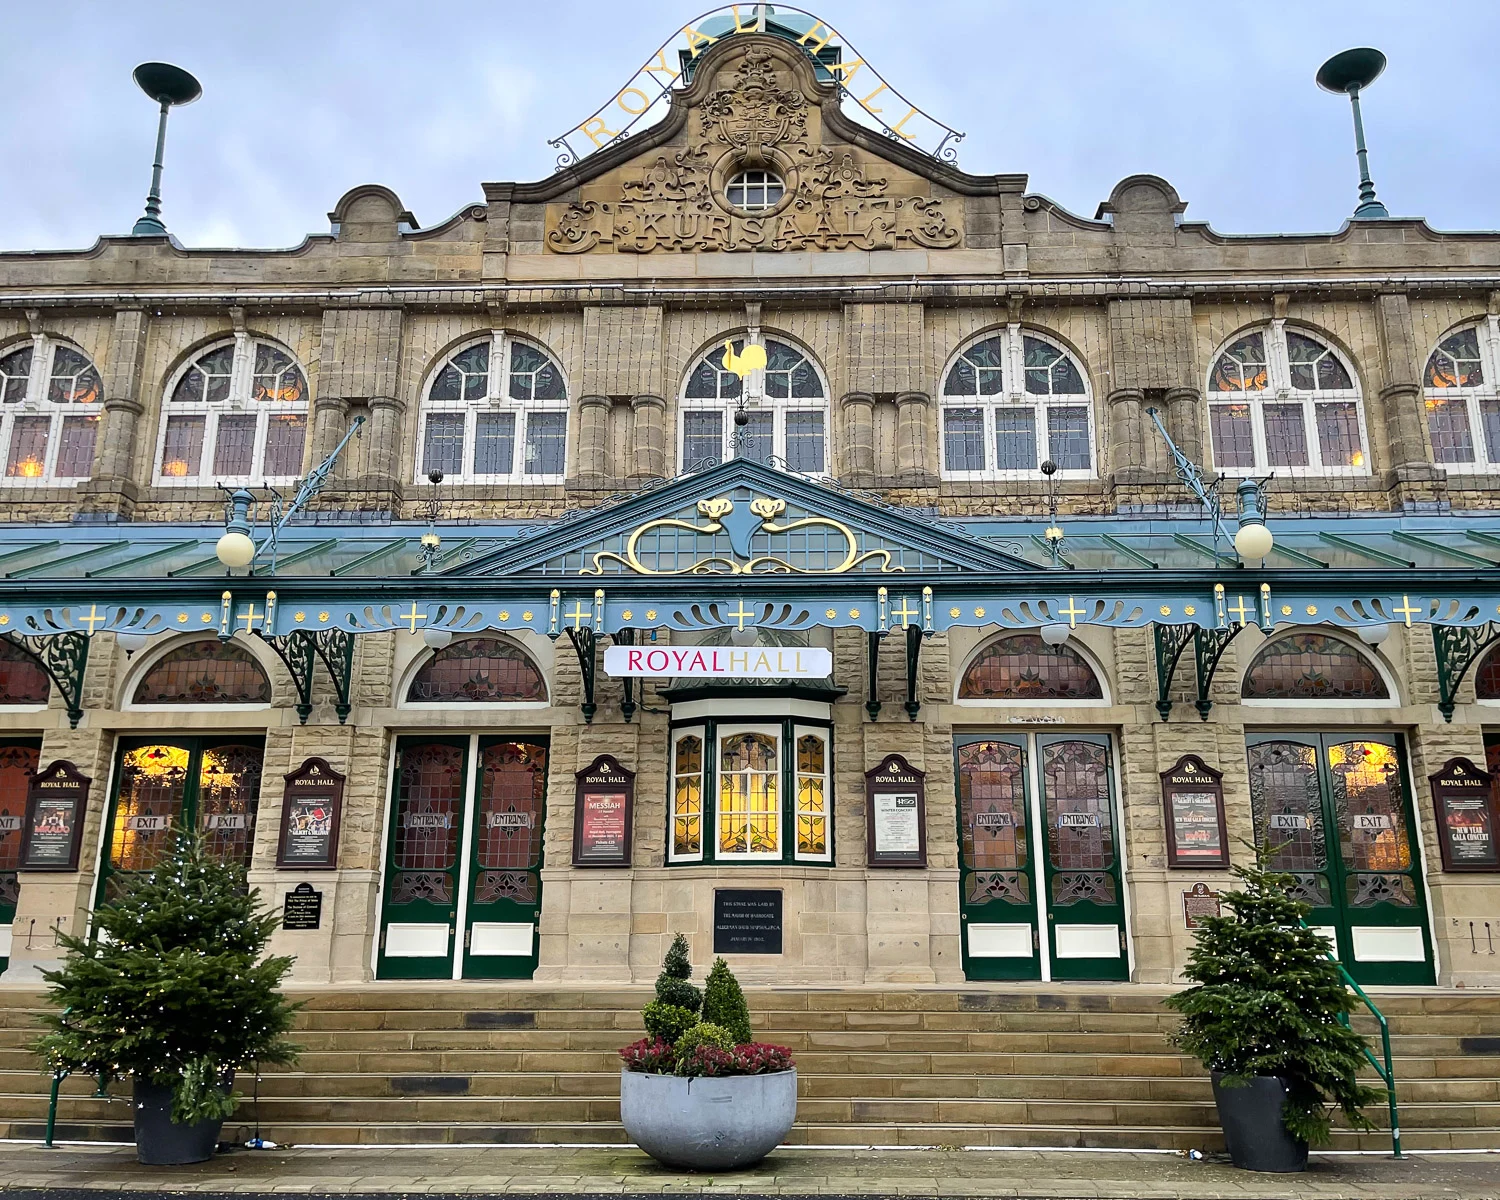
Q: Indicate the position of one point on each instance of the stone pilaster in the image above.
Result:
(858, 412)
(1127, 435)
(111, 490)
(1184, 420)
(913, 414)
(594, 465)
(383, 481)
(330, 422)
(1411, 479)
(649, 459)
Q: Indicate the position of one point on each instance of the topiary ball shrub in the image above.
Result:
(667, 1021)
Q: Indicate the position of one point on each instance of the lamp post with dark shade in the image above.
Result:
(168, 86)
(1348, 72)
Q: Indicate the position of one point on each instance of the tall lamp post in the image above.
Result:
(168, 86)
(1348, 73)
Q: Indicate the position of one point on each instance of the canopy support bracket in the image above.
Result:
(1458, 647)
(585, 646)
(63, 656)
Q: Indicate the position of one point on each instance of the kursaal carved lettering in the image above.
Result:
(676, 202)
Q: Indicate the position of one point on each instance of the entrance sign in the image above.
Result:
(747, 921)
(1465, 800)
(310, 808)
(1192, 794)
(876, 102)
(720, 662)
(896, 814)
(602, 811)
(302, 908)
(56, 802)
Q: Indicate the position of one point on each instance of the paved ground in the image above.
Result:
(518, 1171)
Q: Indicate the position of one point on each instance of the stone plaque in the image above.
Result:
(1199, 901)
(1465, 800)
(895, 814)
(302, 908)
(602, 810)
(310, 808)
(56, 801)
(747, 921)
(1192, 795)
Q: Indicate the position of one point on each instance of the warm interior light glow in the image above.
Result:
(177, 467)
(29, 468)
(1357, 459)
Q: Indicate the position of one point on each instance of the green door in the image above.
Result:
(20, 758)
(420, 897)
(505, 874)
(211, 784)
(464, 853)
(1041, 890)
(1334, 811)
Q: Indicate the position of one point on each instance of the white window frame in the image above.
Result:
(497, 399)
(1486, 457)
(164, 646)
(824, 734)
(753, 391)
(1013, 396)
(729, 730)
(1370, 654)
(1075, 644)
(37, 403)
(239, 402)
(704, 808)
(1279, 390)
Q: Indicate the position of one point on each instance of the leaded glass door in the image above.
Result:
(1084, 892)
(420, 902)
(1334, 811)
(996, 879)
(505, 875)
(208, 784)
(19, 761)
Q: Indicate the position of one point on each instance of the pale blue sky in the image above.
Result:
(304, 99)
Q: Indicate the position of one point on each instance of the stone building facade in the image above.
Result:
(933, 337)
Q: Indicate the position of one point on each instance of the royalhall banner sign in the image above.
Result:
(868, 97)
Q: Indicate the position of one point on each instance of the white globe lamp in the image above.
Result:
(131, 642)
(1056, 634)
(1373, 635)
(437, 638)
(235, 549)
(1253, 541)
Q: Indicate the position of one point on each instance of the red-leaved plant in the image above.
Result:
(652, 1055)
(655, 1056)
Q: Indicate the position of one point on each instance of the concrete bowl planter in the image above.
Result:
(710, 1123)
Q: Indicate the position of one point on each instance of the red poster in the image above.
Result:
(603, 834)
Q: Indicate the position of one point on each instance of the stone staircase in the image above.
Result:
(998, 1065)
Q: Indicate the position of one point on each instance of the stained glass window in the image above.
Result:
(1461, 398)
(687, 796)
(18, 764)
(992, 807)
(1280, 398)
(429, 797)
(1312, 666)
(777, 413)
(1287, 807)
(477, 424)
(22, 680)
(749, 800)
(512, 793)
(477, 671)
(53, 439)
(812, 795)
(237, 414)
(153, 785)
(1021, 666)
(204, 672)
(1011, 401)
(228, 799)
(1487, 677)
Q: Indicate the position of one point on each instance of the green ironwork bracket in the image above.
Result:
(63, 656)
(1208, 648)
(585, 646)
(913, 654)
(1171, 641)
(872, 701)
(626, 637)
(301, 650)
(1458, 648)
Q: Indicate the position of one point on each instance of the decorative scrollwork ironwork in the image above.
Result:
(411, 886)
(1310, 889)
(1458, 648)
(1011, 886)
(1367, 890)
(1074, 887)
(64, 656)
(519, 886)
(301, 649)
(1171, 641)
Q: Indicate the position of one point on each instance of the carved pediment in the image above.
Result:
(749, 111)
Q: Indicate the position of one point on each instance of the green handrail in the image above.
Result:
(1388, 1074)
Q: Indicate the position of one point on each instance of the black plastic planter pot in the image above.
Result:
(159, 1140)
(1253, 1130)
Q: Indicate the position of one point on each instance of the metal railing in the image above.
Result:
(1386, 1073)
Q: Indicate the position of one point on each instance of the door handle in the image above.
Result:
(1051, 916)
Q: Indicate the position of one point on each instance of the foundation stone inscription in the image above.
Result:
(302, 908)
(747, 921)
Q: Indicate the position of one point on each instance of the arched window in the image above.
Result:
(483, 426)
(1280, 399)
(204, 672)
(1011, 401)
(786, 406)
(1312, 666)
(1487, 676)
(477, 671)
(1462, 397)
(22, 681)
(235, 414)
(51, 396)
(1020, 666)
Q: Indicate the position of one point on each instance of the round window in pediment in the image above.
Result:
(755, 191)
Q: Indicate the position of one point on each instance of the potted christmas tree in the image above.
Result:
(697, 1092)
(1264, 1018)
(174, 991)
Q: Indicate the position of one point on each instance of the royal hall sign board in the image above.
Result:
(720, 662)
